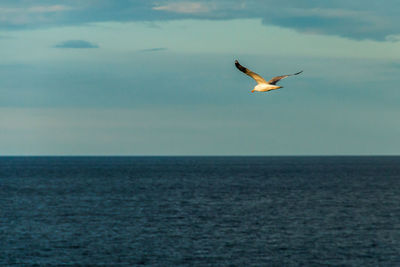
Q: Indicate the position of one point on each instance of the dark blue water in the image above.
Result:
(200, 211)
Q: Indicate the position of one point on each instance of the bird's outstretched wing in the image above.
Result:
(276, 79)
(253, 75)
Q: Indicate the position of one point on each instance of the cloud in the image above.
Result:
(33, 9)
(46, 9)
(350, 23)
(156, 49)
(393, 38)
(327, 12)
(24, 16)
(76, 44)
(184, 7)
(358, 19)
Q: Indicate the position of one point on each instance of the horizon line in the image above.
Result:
(285, 155)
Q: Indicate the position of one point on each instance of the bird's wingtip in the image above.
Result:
(236, 61)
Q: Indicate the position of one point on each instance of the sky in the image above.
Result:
(134, 77)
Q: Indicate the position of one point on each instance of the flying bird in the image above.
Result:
(263, 85)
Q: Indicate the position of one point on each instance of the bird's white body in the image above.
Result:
(264, 87)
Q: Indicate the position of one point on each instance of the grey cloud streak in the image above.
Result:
(76, 44)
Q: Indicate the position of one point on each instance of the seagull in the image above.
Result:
(262, 85)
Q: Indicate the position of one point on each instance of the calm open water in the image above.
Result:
(200, 211)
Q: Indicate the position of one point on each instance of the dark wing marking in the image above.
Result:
(276, 79)
(253, 75)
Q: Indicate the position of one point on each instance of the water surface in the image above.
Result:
(200, 211)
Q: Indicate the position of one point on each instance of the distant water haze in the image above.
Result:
(314, 114)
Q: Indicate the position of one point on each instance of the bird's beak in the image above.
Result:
(252, 91)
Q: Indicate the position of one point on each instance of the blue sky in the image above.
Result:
(157, 77)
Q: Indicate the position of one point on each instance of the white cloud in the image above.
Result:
(46, 9)
(34, 9)
(393, 38)
(28, 15)
(185, 7)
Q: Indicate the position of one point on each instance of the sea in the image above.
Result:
(200, 211)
